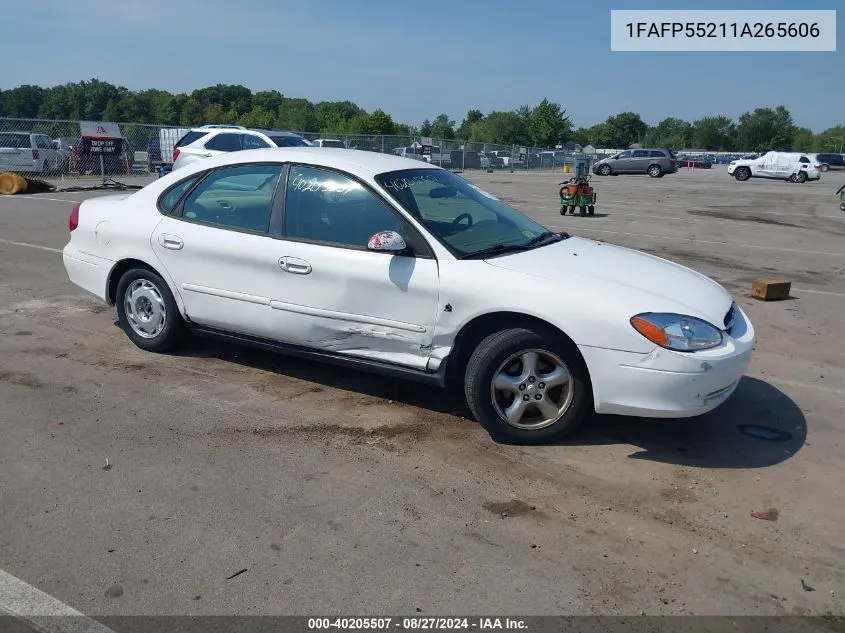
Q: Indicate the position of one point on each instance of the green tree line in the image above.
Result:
(543, 125)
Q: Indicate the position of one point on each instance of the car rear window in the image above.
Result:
(657, 154)
(189, 138)
(14, 140)
(289, 141)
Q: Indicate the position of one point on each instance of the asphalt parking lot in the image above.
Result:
(353, 494)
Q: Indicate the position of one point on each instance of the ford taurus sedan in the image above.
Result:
(393, 266)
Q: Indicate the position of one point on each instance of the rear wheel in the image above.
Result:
(801, 176)
(147, 311)
(824, 167)
(655, 171)
(527, 386)
(742, 173)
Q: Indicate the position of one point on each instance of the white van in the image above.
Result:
(776, 165)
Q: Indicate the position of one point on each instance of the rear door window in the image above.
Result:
(254, 142)
(657, 154)
(640, 153)
(226, 142)
(172, 197)
(14, 140)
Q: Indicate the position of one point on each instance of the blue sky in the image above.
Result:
(416, 59)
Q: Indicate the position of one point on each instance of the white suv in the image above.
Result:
(211, 140)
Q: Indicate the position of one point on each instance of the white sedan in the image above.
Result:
(389, 265)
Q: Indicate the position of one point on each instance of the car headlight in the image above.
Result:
(677, 332)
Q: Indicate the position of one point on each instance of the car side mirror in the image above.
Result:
(388, 242)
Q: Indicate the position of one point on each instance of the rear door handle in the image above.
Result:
(294, 265)
(171, 241)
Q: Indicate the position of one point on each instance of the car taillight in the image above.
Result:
(35, 154)
(175, 153)
(817, 166)
(73, 222)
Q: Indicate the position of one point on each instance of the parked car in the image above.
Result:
(204, 142)
(329, 142)
(696, 162)
(389, 265)
(29, 152)
(777, 166)
(119, 162)
(654, 162)
(828, 161)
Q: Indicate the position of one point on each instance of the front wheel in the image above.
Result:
(147, 311)
(604, 170)
(742, 174)
(527, 387)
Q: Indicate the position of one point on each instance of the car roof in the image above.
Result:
(359, 162)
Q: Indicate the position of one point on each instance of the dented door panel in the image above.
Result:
(361, 303)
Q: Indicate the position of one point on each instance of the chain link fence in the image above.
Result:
(52, 148)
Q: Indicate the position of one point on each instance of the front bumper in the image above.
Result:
(667, 384)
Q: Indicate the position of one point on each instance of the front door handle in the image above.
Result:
(172, 242)
(294, 265)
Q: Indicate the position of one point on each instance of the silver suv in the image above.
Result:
(654, 162)
(211, 140)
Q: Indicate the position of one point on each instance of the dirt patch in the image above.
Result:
(123, 366)
(723, 215)
(423, 428)
(513, 508)
(21, 379)
(23, 333)
(98, 308)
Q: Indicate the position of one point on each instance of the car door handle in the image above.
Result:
(170, 241)
(207, 154)
(294, 265)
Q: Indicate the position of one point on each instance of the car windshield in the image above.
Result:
(469, 221)
(289, 141)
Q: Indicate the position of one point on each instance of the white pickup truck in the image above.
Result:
(776, 165)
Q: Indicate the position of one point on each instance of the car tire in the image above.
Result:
(742, 173)
(603, 170)
(842, 207)
(655, 171)
(824, 167)
(147, 311)
(501, 354)
(801, 176)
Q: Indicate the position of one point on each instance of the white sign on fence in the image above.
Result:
(99, 129)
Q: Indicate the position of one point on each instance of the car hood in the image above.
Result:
(603, 272)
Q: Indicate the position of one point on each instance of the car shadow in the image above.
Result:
(758, 426)
(328, 375)
(579, 216)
